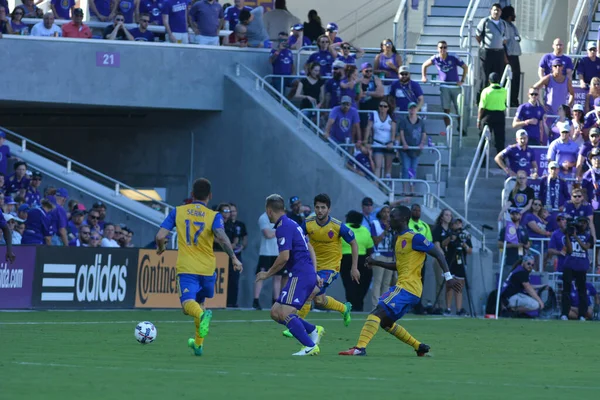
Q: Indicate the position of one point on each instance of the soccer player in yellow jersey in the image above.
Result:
(197, 228)
(410, 249)
(325, 235)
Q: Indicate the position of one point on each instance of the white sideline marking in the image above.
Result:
(187, 321)
(289, 375)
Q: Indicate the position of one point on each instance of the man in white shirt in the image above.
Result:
(47, 27)
(267, 255)
(108, 239)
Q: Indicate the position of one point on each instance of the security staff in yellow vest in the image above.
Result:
(492, 106)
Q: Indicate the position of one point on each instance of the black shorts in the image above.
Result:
(266, 262)
(458, 270)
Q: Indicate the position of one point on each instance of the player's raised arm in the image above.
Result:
(439, 256)
(165, 228)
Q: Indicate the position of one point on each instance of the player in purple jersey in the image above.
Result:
(298, 256)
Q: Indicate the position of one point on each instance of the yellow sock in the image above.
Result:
(334, 305)
(369, 330)
(403, 335)
(193, 309)
(199, 341)
(304, 310)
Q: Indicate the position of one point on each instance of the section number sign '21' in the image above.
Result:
(108, 59)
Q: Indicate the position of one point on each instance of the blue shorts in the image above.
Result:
(397, 301)
(328, 277)
(195, 287)
(297, 290)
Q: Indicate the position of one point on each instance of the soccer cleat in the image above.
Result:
(447, 312)
(192, 345)
(287, 333)
(354, 351)
(582, 319)
(317, 334)
(204, 323)
(308, 351)
(423, 350)
(347, 316)
(564, 318)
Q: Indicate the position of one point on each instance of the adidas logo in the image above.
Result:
(296, 301)
(186, 290)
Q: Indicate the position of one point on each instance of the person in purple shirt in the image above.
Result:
(232, 13)
(406, 91)
(343, 124)
(33, 196)
(591, 181)
(141, 33)
(519, 157)
(126, 8)
(564, 151)
(206, 20)
(350, 86)
(592, 301)
(175, 19)
(333, 91)
(325, 56)
(578, 207)
(586, 149)
(588, 67)
(58, 217)
(346, 56)
(592, 119)
(530, 116)
(545, 66)
(331, 32)
(152, 8)
(554, 191)
(18, 181)
(100, 10)
(62, 9)
(576, 264)
(5, 154)
(298, 256)
(38, 229)
(557, 246)
(282, 58)
(297, 39)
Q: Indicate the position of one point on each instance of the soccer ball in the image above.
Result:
(145, 332)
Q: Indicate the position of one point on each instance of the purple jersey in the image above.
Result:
(4, 156)
(142, 36)
(13, 185)
(562, 152)
(232, 14)
(103, 7)
(283, 63)
(553, 192)
(293, 39)
(590, 120)
(514, 282)
(518, 158)
(152, 8)
(176, 10)
(324, 59)
(591, 183)
(447, 68)
(343, 123)
(33, 197)
(546, 63)
(405, 94)
(291, 237)
(590, 294)
(335, 91)
(584, 209)
(557, 242)
(63, 8)
(527, 111)
(207, 17)
(588, 68)
(37, 227)
(578, 259)
(350, 59)
(529, 217)
(350, 92)
(127, 7)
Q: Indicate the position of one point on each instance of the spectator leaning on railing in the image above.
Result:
(343, 125)
(519, 157)
(76, 28)
(381, 134)
(46, 28)
(118, 30)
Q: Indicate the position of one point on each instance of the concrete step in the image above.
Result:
(452, 3)
(455, 11)
(426, 40)
(445, 21)
(433, 47)
(441, 31)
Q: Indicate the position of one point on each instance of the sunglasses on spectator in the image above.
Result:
(388, 44)
(533, 93)
(594, 135)
(345, 47)
(18, 13)
(529, 264)
(324, 42)
(443, 47)
(94, 217)
(145, 20)
(368, 71)
(404, 74)
(557, 66)
(592, 49)
(537, 204)
(95, 238)
(384, 106)
(86, 232)
(334, 68)
(226, 211)
(119, 19)
(576, 196)
(596, 84)
(521, 177)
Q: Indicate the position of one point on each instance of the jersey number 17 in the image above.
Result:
(188, 227)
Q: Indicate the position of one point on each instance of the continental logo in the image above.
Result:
(156, 285)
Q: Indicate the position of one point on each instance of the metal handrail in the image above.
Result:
(483, 150)
(69, 163)
(411, 181)
(402, 9)
(466, 22)
(430, 198)
(372, 8)
(261, 84)
(580, 9)
(506, 81)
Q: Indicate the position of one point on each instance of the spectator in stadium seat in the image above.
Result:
(83, 238)
(62, 9)
(564, 151)
(4, 3)
(118, 30)
(95, 239)
(406, 91)
(520, 197)
(30, 9)
(364, 157)
(592, 95)
(591, 295)
(12, 222)
(350, 86)
(118, 236)
(333, 92)
(5, 154)
(109, 236)
(346, 55)
(255, 27)
(313, 28)
(75, 224)
(343, 125)
(17, 182)
(295, 212)
(127, 238)
(518, 156)
(5, 25)
(331, 32)
(38, 229)
(590, 183)
(33, 195)
(279, 20)
(297, 39)
(588, 67)
(447, 67)
(547, 62)
(175, 20)
(592, 118)
(324, 56)
(282, 60)
(513, 51)
(46, 28)
(516, 237)
(578, 121)
(388, 62)
(22, 211)
(206, 18)
(412, 134)
(92, 221)
(554, 191)
(101, 208)
(76, 28)
(564, 116)
(100, 10)
(558, 88)
(9, 205)
(380, 133)
(585, 150)
(517, 293)
(141, 33)
(232, 15)
(150, 7)
(238, 38)
(491, 35)
(536, 223)
(18, 27)
(58, 216)
(530, 117)
(370, 94)
(311, 89)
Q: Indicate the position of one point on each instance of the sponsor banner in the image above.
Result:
(156, 285)
(267, 4)
(579, 95)
(16, 279)
(78, 277)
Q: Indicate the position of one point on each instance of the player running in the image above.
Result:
(297, 255)
(410, 249)
(197, 228)
(325, 235)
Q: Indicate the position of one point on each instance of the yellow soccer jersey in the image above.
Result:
(195, 236)
(410, 256)
(327, 241)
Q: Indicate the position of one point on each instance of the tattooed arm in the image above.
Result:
(223, 240)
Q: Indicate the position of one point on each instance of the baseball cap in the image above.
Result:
(367, 201)
(578, 107)
(9, 200)
(595, 152)
(564, 127)
(62, 192)
(403, 68)
(591, 45)
(294, 200)
(494, 77)
(332, 27)
(23, 208)
(365, 65)
(99, 204)
(557, 61)
(411, 105)
(514, 210)
(9, 217)
(528, 257)
(36, 174)
(346, 99)
(561, 216)
(338, 64)
(77, 212)
(594, 132)
(597, 102)
(2, 134)
(521, 132)
(552, 164)
(78, 11)
(298, 27)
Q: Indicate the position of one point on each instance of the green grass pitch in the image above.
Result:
(93, 355)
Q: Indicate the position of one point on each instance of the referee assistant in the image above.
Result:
(492, 106)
